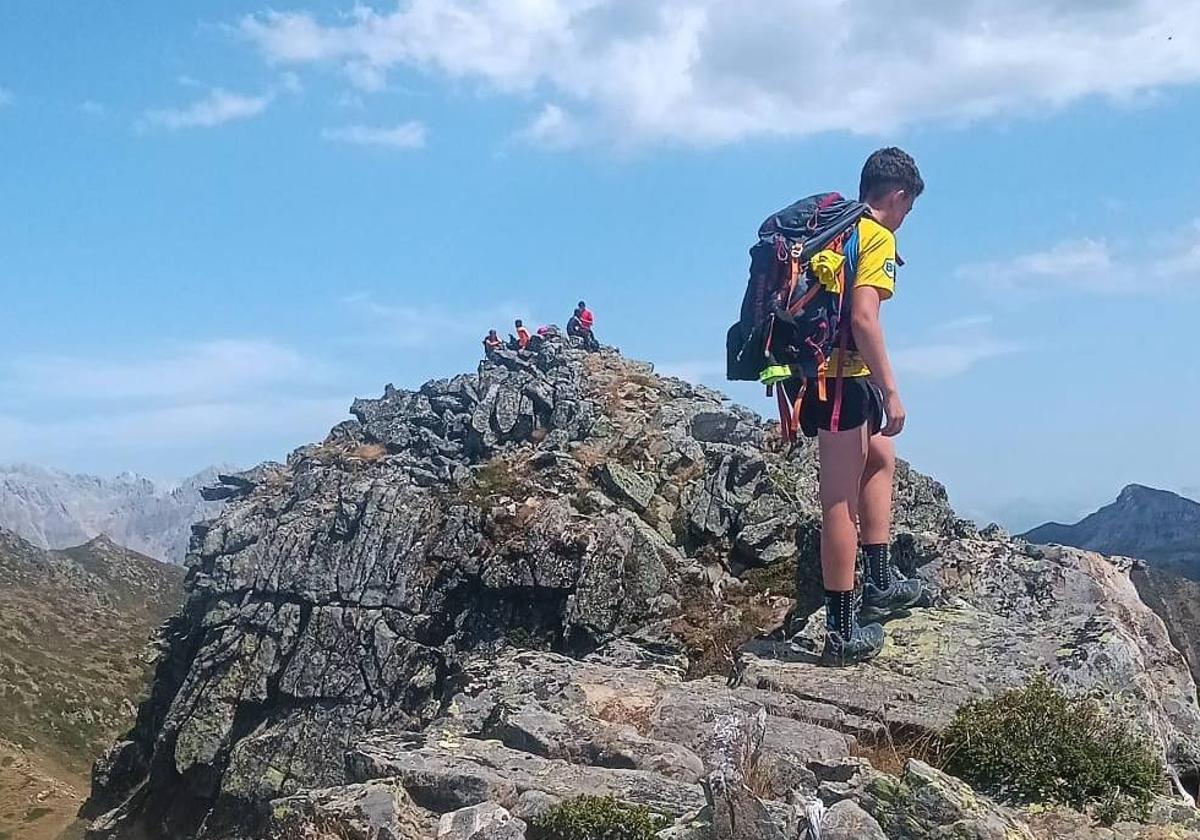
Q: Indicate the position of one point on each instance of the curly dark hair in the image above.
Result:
(889, 169)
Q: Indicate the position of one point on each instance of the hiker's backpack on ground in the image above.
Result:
(797, 294)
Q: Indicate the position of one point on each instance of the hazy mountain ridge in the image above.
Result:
(54, 509)
(1143, 522)
(1161, 528)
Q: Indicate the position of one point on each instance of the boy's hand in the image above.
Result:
(893, 411)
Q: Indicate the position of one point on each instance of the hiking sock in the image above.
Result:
(879, 564)
(841, 612)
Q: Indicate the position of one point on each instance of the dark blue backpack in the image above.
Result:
(790, 321)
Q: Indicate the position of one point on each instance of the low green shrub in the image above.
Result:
(1037, 744)
(596, 818)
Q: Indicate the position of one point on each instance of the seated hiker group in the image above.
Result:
(579, 326)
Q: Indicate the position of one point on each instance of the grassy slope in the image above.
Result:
(75, 627)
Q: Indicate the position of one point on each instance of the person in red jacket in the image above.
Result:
(580, 326)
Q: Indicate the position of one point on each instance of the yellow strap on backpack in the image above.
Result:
(775, 374)
(826, 266)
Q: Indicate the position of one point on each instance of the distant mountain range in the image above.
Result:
(53, 509)
(1157, 526)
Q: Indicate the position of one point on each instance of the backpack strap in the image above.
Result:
(785, 414)
(845, 307)
(789, 409)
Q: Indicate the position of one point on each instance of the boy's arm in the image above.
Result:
(868, 336)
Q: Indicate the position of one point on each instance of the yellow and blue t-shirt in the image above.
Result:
(877, 268)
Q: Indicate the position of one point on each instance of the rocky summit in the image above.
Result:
(567, 575)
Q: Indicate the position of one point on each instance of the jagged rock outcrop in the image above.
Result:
(54, 509)
(537, 581)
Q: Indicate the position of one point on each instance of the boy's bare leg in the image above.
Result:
(875, 499)
(843, 459)
(885, 593)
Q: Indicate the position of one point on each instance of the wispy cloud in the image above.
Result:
(92, 108)
(251, 428)
(219, 398)
(941, 360)
(405, 325)
(164, 426)
(6, 96)
(217, 107)
(1168, 262)
(952, 349)
(409, 135)
(695, 72)
(205, 371)
(552, 128)
(289, 82)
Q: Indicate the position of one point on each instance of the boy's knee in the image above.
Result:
(881, 455)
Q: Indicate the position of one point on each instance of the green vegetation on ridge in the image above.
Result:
(1037, 744)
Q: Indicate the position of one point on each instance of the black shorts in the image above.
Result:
(862, 402)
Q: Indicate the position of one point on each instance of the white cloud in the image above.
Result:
(552, 128)
(706, 71)
(952, 349)
(216, 108)
(1168, 262)
(1181, 263)
(942, 360)
(92, 108)
(409, 135)
(201, 372)
(207, 427)
(6, 96)
(221, 399)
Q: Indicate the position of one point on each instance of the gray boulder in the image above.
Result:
(486, 821)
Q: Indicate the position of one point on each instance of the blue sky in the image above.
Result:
(219, 222)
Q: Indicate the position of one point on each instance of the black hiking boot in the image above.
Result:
(846, 641)
(881, 604)
(887, 590)
(865, 642)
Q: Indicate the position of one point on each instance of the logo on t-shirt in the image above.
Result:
(889, 268)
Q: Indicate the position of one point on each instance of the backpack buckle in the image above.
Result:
(797, 250)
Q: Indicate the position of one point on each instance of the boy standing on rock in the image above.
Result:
(854, 421)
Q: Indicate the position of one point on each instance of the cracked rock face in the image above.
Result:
(506, 589)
